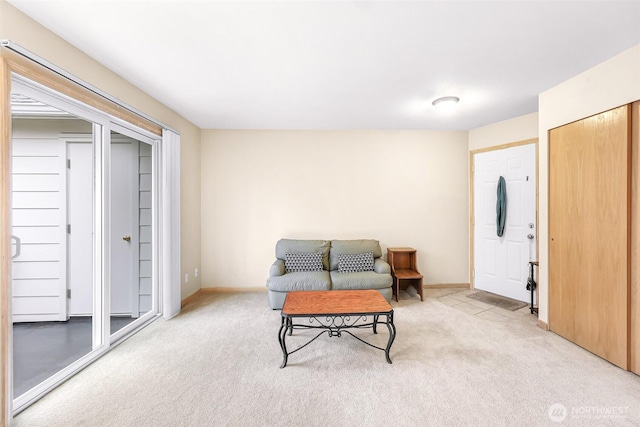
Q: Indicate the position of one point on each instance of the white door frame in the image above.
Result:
(67, 139)
(472, 199)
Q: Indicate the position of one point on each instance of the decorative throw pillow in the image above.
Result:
(302, 261)
(355, 263)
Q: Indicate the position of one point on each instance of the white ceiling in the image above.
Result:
(344, 64)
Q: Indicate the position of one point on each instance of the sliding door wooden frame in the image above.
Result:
(25, 67)
(5, 265)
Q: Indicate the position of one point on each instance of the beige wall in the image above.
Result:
(610, 84)
(404, 188)
(504, 132)
(19, 28)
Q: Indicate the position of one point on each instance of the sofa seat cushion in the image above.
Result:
(300, 281)
(360, 280)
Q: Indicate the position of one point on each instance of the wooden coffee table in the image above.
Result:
(333, 312)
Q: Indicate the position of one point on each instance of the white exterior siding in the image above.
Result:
(39, 220)
(145, 223)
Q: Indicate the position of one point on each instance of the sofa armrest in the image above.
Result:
(381, 267)
(277, 268)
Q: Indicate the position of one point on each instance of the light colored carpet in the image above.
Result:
(218, 364)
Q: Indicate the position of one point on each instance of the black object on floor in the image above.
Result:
(497, 300)
(41, 349)
(531, 286)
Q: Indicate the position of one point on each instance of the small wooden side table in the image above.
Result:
(404, 269)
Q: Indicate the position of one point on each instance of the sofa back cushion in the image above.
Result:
(351, 247)
(285, 246)
(355, 263)
(304, 261)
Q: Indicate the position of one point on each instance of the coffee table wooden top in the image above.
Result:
(305, 303)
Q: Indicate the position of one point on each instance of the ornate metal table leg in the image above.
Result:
(392, 335)
(281, 337)
(375, 323)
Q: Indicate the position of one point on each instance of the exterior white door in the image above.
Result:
(501, 264)
(124, 225)
(124, 194)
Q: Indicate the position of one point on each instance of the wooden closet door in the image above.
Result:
(634, 294)
(589, 233)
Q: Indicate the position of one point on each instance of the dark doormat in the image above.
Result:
(497, 300)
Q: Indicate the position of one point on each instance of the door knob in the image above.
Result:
(126, 237)
(530, 236)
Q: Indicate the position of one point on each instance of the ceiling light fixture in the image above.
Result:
(446, 102)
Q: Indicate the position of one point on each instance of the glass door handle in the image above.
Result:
(18, 244)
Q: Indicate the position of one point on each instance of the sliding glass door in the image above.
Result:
(53, 247)
(132, 219)
(84, 221)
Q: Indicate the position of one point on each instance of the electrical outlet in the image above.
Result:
(186, 278)
(196, 272)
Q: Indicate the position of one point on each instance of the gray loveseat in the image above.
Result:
(320, 265)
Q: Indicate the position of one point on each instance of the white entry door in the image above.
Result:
(501, 264)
